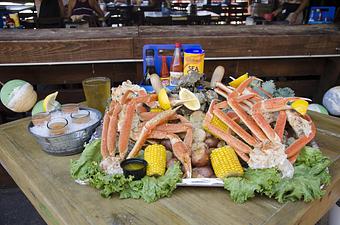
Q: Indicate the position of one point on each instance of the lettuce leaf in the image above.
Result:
(304, 185)
(148, 188)
(240, 188)
(254, 180)
(311, 172)
(80, 167)
(151, 189)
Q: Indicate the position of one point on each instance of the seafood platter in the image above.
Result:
(246, 135)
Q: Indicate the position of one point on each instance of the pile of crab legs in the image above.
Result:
(150, 125)
(257, 113)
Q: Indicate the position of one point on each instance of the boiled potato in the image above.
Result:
(202, 172)
(212, 142)
(200, 157)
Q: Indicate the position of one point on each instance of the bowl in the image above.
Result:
(134, 167)
(67, 144)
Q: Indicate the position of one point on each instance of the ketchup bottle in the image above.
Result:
(176, 68)
(165, 76)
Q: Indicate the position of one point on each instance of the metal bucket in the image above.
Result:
(67, 144)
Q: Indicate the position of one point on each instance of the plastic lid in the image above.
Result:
(178, 45)
(194, 51)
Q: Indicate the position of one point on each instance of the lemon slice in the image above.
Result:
(185, 95)
(38, 108)
(300, 106)
(50, 103)
(235, 83)
(163, 99)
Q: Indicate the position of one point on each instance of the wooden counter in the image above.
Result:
(305, 58)
(67, 45)
(46, 181)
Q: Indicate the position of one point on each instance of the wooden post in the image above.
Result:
(329, 79)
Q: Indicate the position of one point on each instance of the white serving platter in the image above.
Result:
(201, 182)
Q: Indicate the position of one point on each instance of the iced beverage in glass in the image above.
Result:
(97, 92)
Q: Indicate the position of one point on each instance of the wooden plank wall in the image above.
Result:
(70, 45)
(308, 77)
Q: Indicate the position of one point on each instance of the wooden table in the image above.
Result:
(47, 183)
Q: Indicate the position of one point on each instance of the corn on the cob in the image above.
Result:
(216, 122)
(225, 162)
(156, 110)
(155, 155)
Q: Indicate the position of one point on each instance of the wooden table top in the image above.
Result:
(46, 181)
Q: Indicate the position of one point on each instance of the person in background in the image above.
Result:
(291, 10)
(88, 10)
(50, 8)
(158, 3)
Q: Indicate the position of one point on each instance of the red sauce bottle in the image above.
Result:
(176, 68)
(165, 76)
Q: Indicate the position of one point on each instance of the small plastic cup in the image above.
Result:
(134, 167)
(40, 119)
(81, 116)
(57, 126)
(70, 108)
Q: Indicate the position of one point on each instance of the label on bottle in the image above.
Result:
(165, 81)
(175, 77)
(149, 61)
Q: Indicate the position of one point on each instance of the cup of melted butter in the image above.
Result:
(134, 167)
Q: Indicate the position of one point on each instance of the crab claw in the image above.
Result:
(182, 153)
(149, 126)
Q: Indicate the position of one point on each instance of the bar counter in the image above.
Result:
(305, 58)
(125, 43)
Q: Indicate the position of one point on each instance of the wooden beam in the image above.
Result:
(330, 77)
(73, 45)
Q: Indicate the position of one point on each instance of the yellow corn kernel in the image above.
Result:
(225, 162)
(155, 155)
(216, 122)
(156, 110)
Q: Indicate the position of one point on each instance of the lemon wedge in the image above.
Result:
(38, 107)
(49, 102)
(235, 83)
(300, 106)
(189, 99)
(163, 99)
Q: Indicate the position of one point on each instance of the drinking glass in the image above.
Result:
(70, 108)
(57, 126)
(97, 92)
(40, 119)
(82, 116)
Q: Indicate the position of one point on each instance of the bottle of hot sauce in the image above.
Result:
(165, 76)
(176, 68)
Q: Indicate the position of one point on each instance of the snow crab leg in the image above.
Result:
(306, 135)
(149, 126)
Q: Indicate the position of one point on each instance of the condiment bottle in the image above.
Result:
(150, 66)
(165, 76)
(176, 68)
(10, 22)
